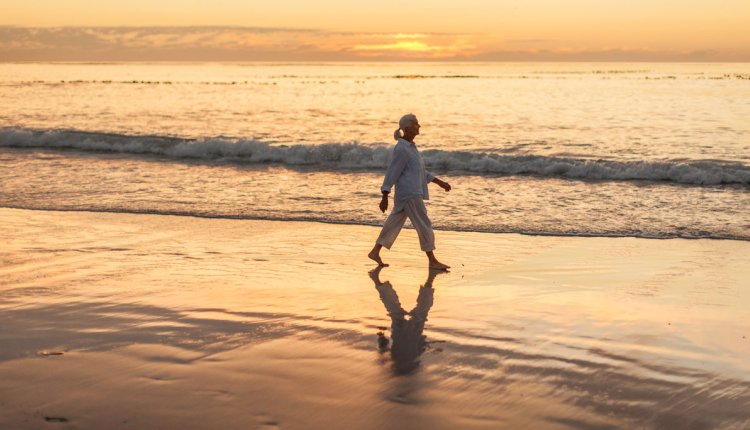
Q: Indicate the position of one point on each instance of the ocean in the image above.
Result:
(658, 150)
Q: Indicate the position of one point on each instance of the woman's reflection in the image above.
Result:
(407, 342)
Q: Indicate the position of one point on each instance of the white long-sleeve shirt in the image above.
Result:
(406, 171)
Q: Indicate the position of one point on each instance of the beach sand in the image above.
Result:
(112, 321)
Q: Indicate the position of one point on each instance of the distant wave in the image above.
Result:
(334, 156)
(332, 79)
(435, 76)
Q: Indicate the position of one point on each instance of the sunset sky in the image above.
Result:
(303, 30)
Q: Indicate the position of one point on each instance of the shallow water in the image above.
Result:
(42, 179)
(593, 149)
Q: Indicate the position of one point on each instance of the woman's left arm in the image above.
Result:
(442, 184)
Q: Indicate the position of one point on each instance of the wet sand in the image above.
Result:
(151, 321)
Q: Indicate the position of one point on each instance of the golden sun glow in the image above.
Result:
(400, 46)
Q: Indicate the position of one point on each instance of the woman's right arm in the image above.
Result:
(397, 165)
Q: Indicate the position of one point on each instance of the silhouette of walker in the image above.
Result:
(407, 342)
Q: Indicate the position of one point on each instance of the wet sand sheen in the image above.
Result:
(178, 322)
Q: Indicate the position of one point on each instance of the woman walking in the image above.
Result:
(408, 174)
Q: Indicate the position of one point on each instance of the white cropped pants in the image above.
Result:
(415, 210)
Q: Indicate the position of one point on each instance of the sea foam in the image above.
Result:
(335, 156)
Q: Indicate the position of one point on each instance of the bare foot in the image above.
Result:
(375, 256)
(436, 265)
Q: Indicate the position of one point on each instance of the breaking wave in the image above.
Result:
(334, 156)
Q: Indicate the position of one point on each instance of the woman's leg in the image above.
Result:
(388, 235)
(417, 213)
(391, 228)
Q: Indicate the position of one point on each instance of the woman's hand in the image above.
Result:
(442, 184)
(384, 203)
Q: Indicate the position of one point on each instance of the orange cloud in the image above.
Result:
(409, 36)
(216, 43)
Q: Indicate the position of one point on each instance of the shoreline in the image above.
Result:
(353, 223)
